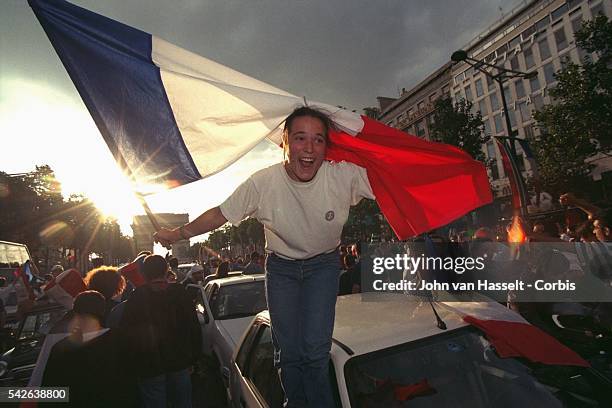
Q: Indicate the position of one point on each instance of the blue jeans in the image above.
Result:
(301, 300)
(169, 388)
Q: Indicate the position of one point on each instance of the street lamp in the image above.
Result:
(500, 77)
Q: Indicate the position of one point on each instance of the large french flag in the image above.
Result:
(170, 116)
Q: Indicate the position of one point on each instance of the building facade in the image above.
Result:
(536, 36)
(143, 233)
(413, 111)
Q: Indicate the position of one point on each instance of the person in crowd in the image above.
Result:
(87, 361)
(105, 280)
(97, 262)
(108, 281)
(161, 338)
(303, 204)
(222, 271)
(174, 263)
(195, 276)
(236, 264)
(601, 229)
(253, 267)
(171, 277)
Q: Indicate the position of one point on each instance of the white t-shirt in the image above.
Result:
(300, 220)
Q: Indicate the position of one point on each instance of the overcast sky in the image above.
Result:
(344, 52)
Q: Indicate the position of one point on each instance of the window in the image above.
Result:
(468, 93)
(542, 24)
(524, 111)
(421, 105)
(499, 126)
(500, 51)
(512, 118)
(538, 102)
(577, 24)
(528, 55)
(573, 3)
(544, 49)
(446, 90)
(432, 97)
(243, 354)
(520, 89)
(528, 132)
(560, 39)
(420, 128)
(491, 154)
(598, 9)
(487, 127)
(508, 95)
(494, 170)
(490, 83)
(479, 90)
(514, 42)
(482, 107)
(491, 150)
(534, 84)
(459, 78)
(527, 32)
(559, 12)
(494, 102)
(260, 369)
(549, 73)
(514, 63)
(29, 327)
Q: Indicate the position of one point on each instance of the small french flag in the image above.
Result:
(65, 287)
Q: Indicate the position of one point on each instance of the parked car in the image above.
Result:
(390, 349)
(12, 256)
(225, 308)
(17, 363)
(183, 269)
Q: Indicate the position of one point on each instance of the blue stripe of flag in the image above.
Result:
(110, 64)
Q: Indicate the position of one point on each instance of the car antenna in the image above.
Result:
(441, 325)
(430, 247)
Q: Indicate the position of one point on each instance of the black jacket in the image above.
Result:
(93, 371)
(160, 330)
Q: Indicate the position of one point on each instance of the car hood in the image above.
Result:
(232, 329)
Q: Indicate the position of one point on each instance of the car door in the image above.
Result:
(259, 383)
(205, 316)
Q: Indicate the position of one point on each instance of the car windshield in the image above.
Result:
(238, 300)
(39, 324)
(459, 369)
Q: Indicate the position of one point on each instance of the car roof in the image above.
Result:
(233, 280)
(373, 321)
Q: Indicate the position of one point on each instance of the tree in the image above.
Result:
(35, 213)
(458, 126)
(576, 126)
(28, 203)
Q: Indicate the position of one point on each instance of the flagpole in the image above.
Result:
(148, 212)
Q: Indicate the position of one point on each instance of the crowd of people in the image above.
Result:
(137, 351)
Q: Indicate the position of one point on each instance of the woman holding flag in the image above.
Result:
(303, 204)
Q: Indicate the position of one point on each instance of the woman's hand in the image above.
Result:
(167, 237)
